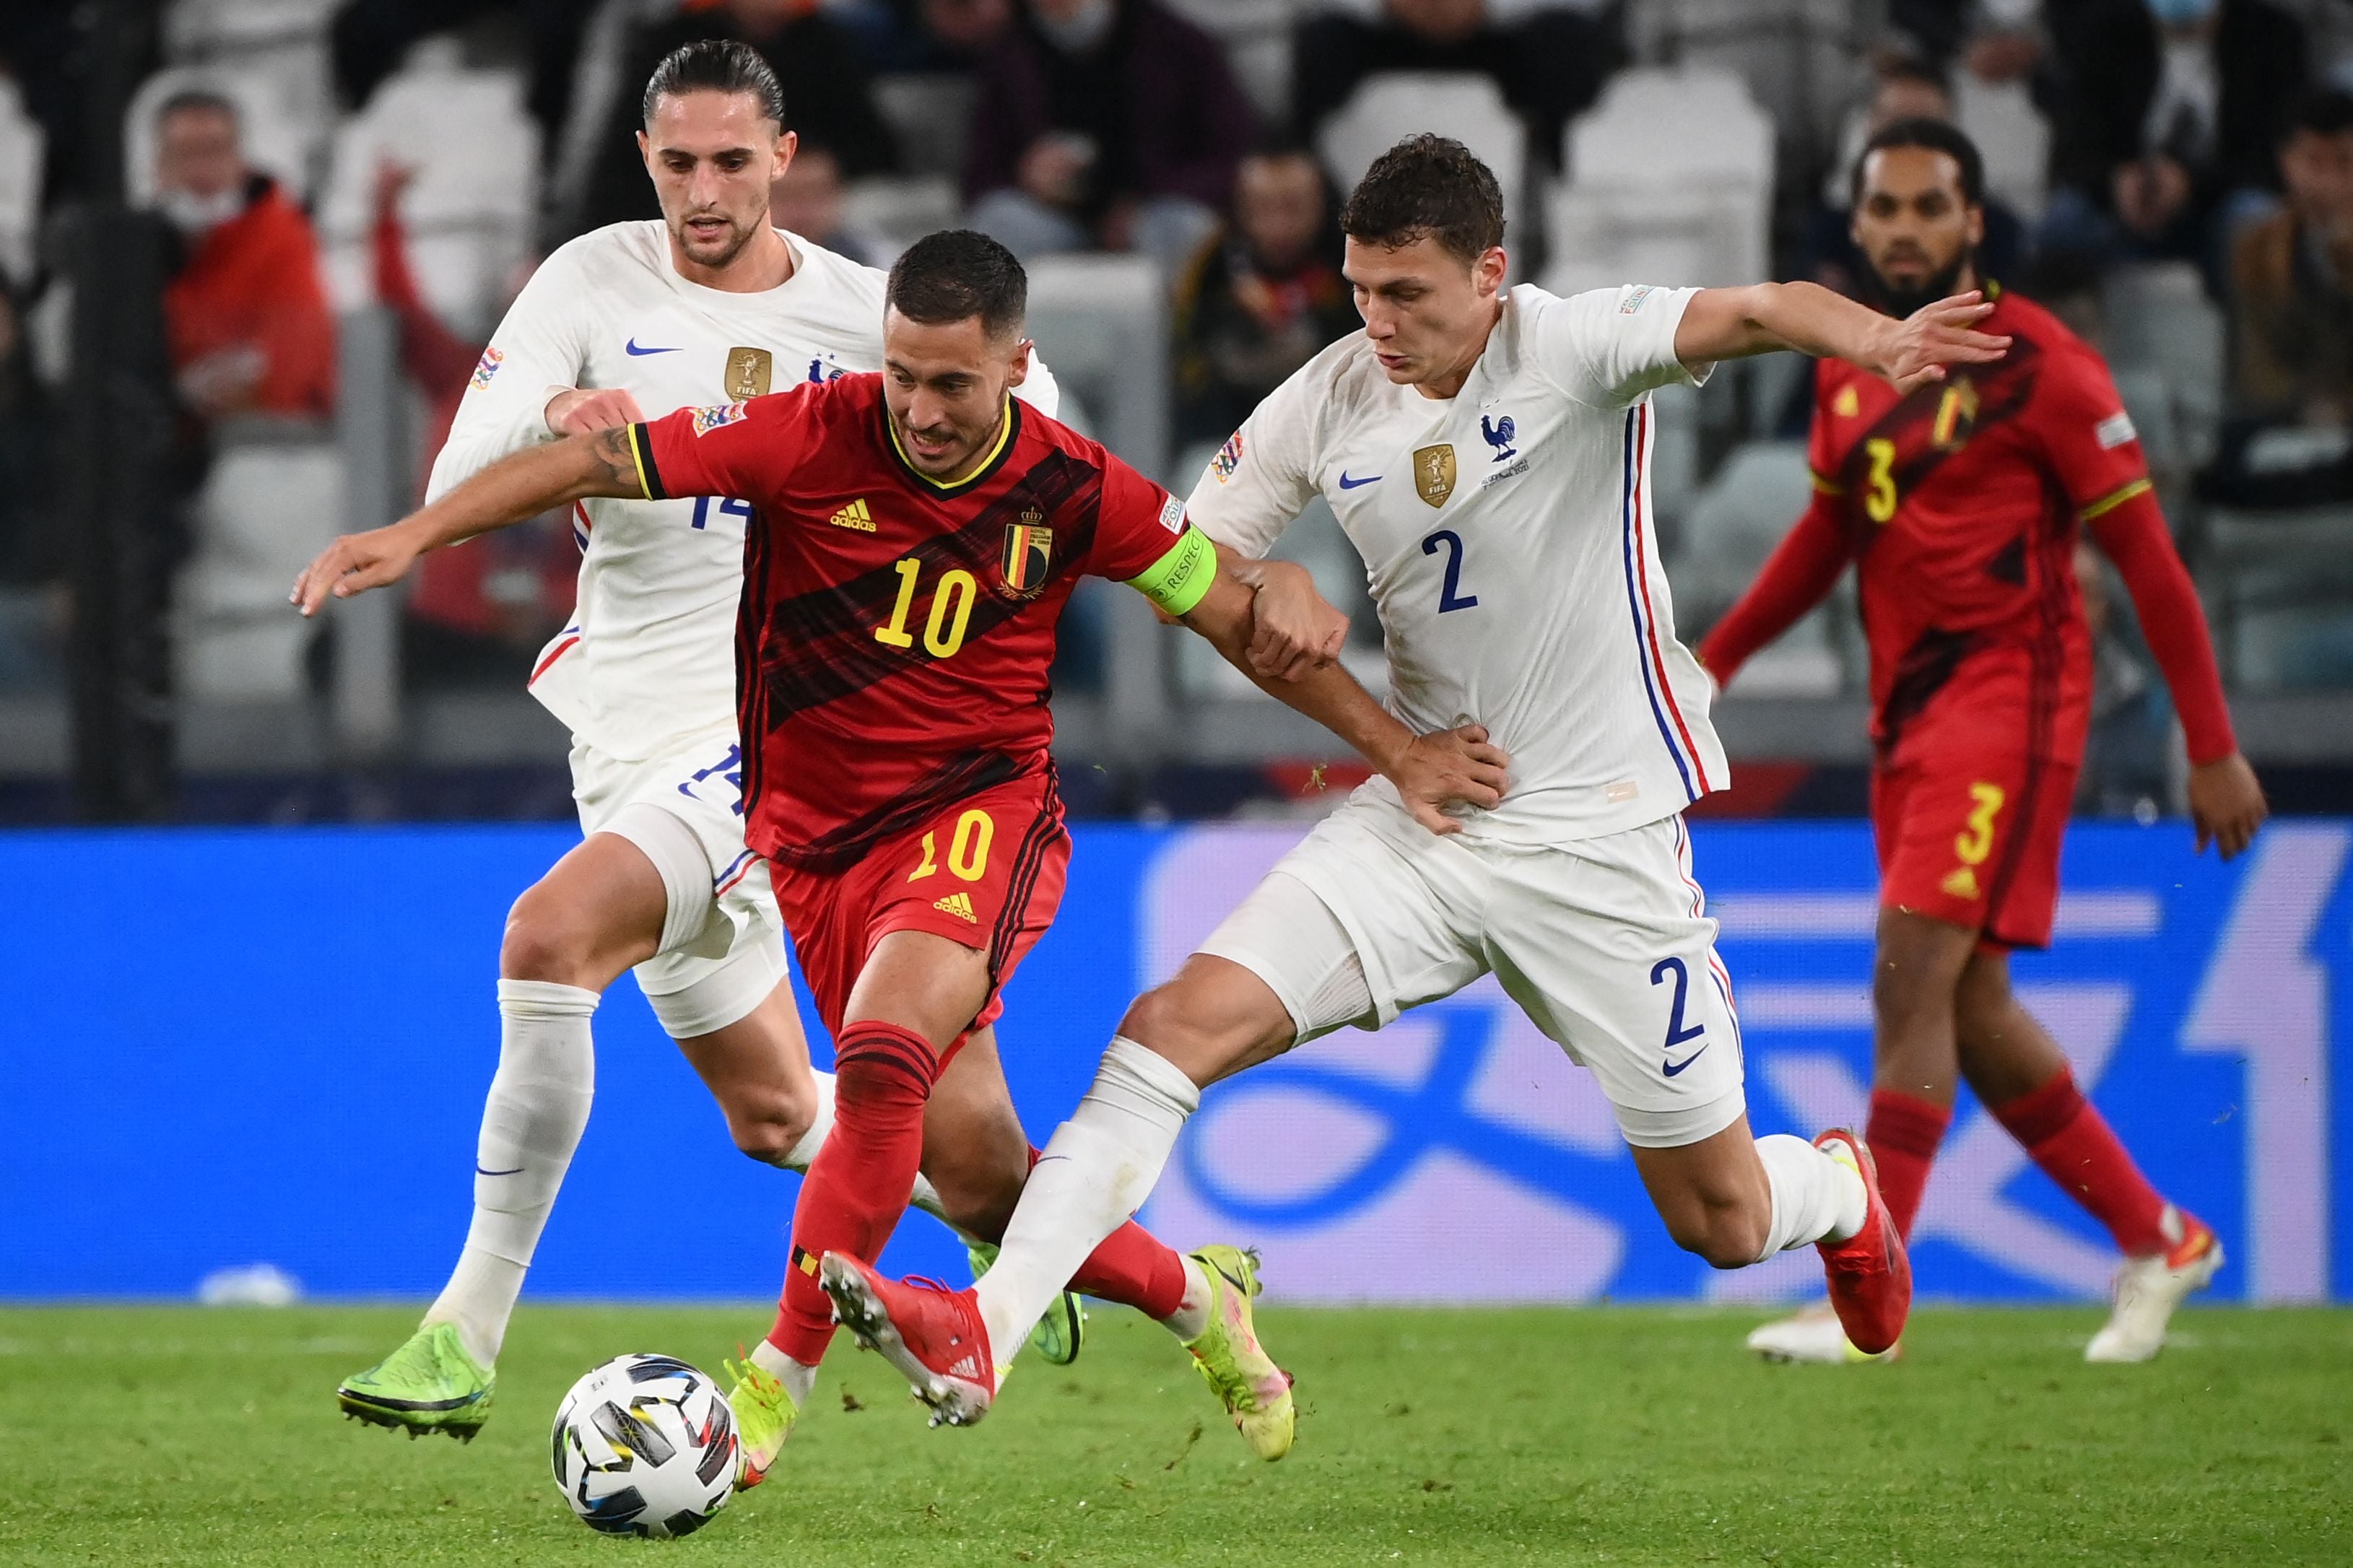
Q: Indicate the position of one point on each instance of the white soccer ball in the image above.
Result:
(645, 1445)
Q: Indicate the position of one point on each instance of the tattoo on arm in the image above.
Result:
(616, 462)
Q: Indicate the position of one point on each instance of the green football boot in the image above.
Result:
(1255, 1392)
(764, 1415)
(429, 1384)
(1060, 1333)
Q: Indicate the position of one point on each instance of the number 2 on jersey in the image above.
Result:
(1449, 594)
(951, 611)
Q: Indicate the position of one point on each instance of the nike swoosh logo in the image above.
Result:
(480, 1172)
(1672, 1069)
(1348, 484)
(632, 348)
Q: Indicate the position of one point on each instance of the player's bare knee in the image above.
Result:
(546, 941)
(769, 1123)
(1202, 1030)
(1726, 1236)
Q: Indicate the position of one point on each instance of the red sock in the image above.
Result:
(2076, 1148)
(1132, 1268)
(857, 1187)
(1903, 1133)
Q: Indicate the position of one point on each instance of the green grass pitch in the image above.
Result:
(143, 1435)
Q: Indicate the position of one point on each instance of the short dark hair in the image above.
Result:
(1934, 136)
(958, 274)
(1430, 186)
(2322, 111)
(716, 64)
(199, 100)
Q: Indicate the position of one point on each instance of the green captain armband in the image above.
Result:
(1180, 579)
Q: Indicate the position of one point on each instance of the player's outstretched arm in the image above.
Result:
(511, 490)
(1431, 771)
(1734, 323)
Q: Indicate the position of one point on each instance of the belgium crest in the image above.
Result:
(1029, 555)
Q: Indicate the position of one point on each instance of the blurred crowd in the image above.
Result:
(311, 156)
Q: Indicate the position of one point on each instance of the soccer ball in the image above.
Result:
(645, 1445)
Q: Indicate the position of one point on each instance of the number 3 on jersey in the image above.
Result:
(950, 614)
(1879, 495)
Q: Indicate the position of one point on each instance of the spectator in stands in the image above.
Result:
(1902, 89)
(805, 200)
(2292, 279)
(246, 313)
(1261, 297)
(1104, 123)
(2168, 115)
(1550, 61)
(829, 97)
(926, 35)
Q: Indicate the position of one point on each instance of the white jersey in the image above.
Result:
(649, 657)
(1509, 547)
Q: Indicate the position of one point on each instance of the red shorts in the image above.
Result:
(986, 871)
(1968, 828)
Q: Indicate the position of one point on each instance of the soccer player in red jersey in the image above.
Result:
(1959, 505)
(917, 536)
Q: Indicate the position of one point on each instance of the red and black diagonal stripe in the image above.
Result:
(818, 646)
(1044, 831)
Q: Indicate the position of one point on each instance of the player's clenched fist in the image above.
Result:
(353, 564)
(1294, 628)
(579, 412)
(1915, 350)
(1450, 767)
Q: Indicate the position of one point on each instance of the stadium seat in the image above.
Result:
(281, 45)
(21, 147)
(929, 112)
(271, 500)
(1670, 180)
(1800, 59)
(2160, 325)
(2280, 588)
(471, 209)
(899, 211)
(1394, 104)
(1102, 321)
(1724, 537)
(2011, 133)
(1257, 38)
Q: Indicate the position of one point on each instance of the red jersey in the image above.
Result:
(895, 632)
(1960, 503)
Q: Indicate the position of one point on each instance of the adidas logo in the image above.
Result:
(1961, 884)
(960, 906)
(855, 515)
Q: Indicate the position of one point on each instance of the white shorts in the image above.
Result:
(1605, 943)
(722, 941)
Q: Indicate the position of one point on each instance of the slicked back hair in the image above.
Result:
(1428, 186)
(716, 64)
(1935, 136)
(956, 275)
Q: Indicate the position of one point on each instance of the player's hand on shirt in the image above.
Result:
(353, 564)
(1450, 767)
(2226, 805)
(1918, 349)
(1294, 628)
(586, 411)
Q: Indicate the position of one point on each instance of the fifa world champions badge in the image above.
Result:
(750, 373)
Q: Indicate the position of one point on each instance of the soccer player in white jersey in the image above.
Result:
(1485, 448)
(708, 305)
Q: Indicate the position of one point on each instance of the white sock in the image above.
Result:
(803, 1154)
(1097, 1171)
(798, 1379)
(1815, 1196)
(532, 1121)
(1192, 1313)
